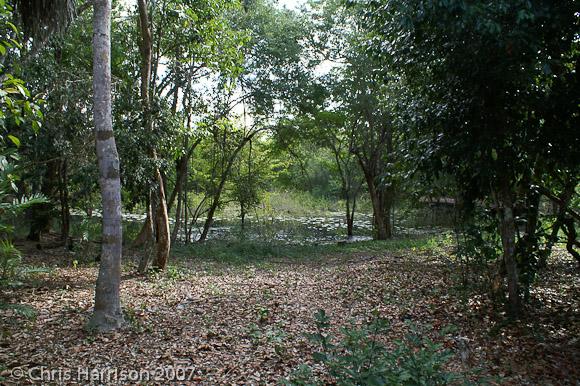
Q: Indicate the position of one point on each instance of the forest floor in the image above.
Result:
(244, 322)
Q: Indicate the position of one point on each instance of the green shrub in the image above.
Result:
(359, 358)
(9, 261)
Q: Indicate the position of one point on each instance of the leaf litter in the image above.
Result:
(247, 324)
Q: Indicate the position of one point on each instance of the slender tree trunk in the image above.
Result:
(185, 213)
(64, 204)
(163, 237)
(178, 211)
(380, 216)
(571, 241)
(145, 238)
(216, 199)
(346, 193)
(145, 235)
(162, 217)
(349, 217)
(209, 220)
(507, 232)
(107, 314)
(180, 180)
(350, 225)
(529, 241)
(387, 200)
(40, 215)
(560, 211)
(243, 215)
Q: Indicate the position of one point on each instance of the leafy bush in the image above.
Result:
(359, 358)
(9, 260)
(10, 256)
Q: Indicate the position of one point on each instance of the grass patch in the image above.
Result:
(241, 252)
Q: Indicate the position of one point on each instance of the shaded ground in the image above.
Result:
(244, 322)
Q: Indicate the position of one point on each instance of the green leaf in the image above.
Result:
(14, 140)
(320, 357)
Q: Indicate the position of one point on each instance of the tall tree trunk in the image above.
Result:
(185, 214)
(107, 314)
(178, 213)
(145, 238)
(571, 241)
(349, 216)
(40, 215)
(387, 200)
(507, 228)
(163, 240)
(162, 217)
(346, 186)
(64, 204)
(209, 219)
(561, 206)
(350, 224)
(529, 241)
(145, 235)
(381, 213)
(181, 171)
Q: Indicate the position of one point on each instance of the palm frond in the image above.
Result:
(18, 205)
(35, 270)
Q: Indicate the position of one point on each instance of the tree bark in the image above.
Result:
(178, 213)
(64, 204)
(145, 238)
(346, 190)
(208, 221)
(162, 217)
(381, 209)
(163, 237)
(107, 314)
(349, 226)
(145, 235)
(507, 230)
(532, 213)
(41, 215)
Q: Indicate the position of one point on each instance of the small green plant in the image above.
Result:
(24, 310)
(10, 206)
(132, 318)
(272, 335)
(255, 333)
(263, 313)
(359, 358)
(9, 260)
(175, 273)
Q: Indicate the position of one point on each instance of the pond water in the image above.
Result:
(288, 229)
(330, 228)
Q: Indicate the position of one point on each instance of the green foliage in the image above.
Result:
(24, 310)
(242, 252)
(10, 258)
(250, 178)
(10, 206)
(490, 91)
(479, 239)
(360, 358)
(17, 107)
